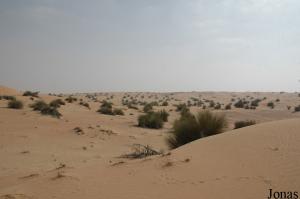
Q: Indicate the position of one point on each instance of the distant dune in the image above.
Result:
(7, 91)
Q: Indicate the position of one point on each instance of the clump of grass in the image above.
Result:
(85, 104)
(255, 103)
(151, 120)
(147, 108)
(46, 109)
(241, 124)
(271, 105)
(56, 103)
(15, 104)
(7, 97)
(118, 111)
(228, 106)
(164, 115)
(71, 99)
(165, 103)
(30, 93)
(52, 111)
(106, 108)
(239, 104)
(192, 127)
(297, 108)
(39, 105)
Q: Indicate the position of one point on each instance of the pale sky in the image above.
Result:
(150, 45)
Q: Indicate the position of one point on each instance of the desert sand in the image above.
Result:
(43, 157)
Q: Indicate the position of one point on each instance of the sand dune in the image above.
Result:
(43, 157)
(8, 91)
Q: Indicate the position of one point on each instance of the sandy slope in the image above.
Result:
(42, 157)
(242, 163)
(8, 91)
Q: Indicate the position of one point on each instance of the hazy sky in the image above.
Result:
(150, 45)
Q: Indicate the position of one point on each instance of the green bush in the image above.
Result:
(50, 111)
(57, 103)
(271, 105)
(241, 124)
(106, 104)
(30, 93)
(239, 104)
(39, 105)
(118, 111)
(151, 120)
(164, 115)
(147, 108)
(192, 127)
(106, 110)
(7, 97)
(15, 104)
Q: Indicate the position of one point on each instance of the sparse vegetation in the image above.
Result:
(39, 105)
(147, 108)
(241, 124)
(85, 104)
(15, 104)
(118, 111)
(141, 151)
(297, 109)
(192, 127)
(7, 97)
(56, 103)
(71, 99)
(228, 106)
(30, 93)
(271, 105)
(151, 120)
(46, 109)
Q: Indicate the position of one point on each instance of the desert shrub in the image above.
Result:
(150, 120)
(46, 109)
(297, 108)
(106, 110)
(212, 104)
(255, 102)
(71, 99)
(131, 106)
(228, 107)
(50, 111)
(241, 124)
(239, 104)
(218, 106)
(192, 127)
(30, 93)
(277, 100)
(106, 104)
(141, 151)
(118, 111)
(15, 104)
(271, 104)
(39, 105)
(85, 104)
(164, 115)
(147, 108)
(7, 97)
(165, 103)
(56, 103)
